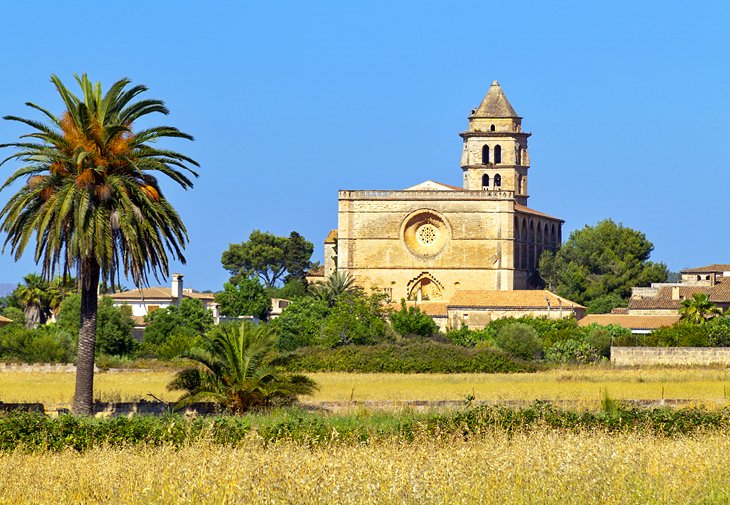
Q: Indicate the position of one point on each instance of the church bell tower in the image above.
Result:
(495, 148)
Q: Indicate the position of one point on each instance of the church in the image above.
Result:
(428, 241)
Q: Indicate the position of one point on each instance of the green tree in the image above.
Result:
(237, 373)
(113, 325)
(301, 323)
(520, 340)
(337, 284)
(601, 260)
(190, 318)
(92, 201)
(34, 297)
(411, 321)
(268, 257)
(245, 298)
(698, 309)
(356, 319)
(604, 304)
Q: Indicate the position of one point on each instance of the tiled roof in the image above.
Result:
(620, 310)
(717, 267)
(159, 293)
(331, 237)
(719, 293)
(512, 299)
(527, 210)
(4, 319)
(630, 322)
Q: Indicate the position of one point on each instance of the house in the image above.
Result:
(277, 307)
(639, 325)
(477, 308)
(146, 300)
(666, 298)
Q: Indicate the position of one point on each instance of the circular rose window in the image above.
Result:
(425, 233)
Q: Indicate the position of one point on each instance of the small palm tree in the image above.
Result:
(34, 297)
(91, 202)
(337, 284)
(698, 309)
(236, 372)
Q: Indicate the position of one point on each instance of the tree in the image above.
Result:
(246, 298)
(337, 284)
(301, 323)
(411, 321)
(520, 340)
(34, 297)
(113, 325)
(91, 200)
(601, 260)
(698, 309)
(268, 257)
(237, 372)
(190, 317)
(356, 319)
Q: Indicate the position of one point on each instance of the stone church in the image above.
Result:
(429, 241)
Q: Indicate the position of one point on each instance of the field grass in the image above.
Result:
(540, 466)
(705, 386)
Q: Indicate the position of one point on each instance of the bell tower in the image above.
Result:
(495, 147)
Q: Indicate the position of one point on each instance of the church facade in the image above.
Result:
(429, 241)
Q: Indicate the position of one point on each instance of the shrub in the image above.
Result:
(680, 335)
(600, 338)
(301, 323)
(520, 340)
(355, 319)
(411, 321)
(189, 318)
(113, 325)
(572, 351)
(42, 345)
(407, 356)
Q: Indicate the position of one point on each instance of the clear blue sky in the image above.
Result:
(628, 103)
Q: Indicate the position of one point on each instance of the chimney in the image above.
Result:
(176, 290)
(675, 292)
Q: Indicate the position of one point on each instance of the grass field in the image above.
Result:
(710, 387)
(541, 466)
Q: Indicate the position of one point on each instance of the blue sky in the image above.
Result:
(628, 103)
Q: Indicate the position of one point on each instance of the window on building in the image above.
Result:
(498, 154)
(491, 128)
(485, 155)
(485, 181)
(497, 181)
(152, 308)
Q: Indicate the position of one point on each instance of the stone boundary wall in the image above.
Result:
(39, 367)
(677, 356)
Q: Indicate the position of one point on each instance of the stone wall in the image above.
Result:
(642, 356)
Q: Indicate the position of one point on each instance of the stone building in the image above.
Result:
(430, 240)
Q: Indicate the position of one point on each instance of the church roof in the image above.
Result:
(495, 104)
(526, 210)
(433, 186)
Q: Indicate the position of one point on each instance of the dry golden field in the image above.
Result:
(706, 386)
(540, 467)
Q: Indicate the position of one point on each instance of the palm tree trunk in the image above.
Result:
(84, 395)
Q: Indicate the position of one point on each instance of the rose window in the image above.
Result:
(427, 234)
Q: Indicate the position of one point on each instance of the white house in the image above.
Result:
(146, 300)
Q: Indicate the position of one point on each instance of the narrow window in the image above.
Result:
(485, 181)
(519, 184)
(485, 155)
(498, 154)
(497, 181)
(491, 128)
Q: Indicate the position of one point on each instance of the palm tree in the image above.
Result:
(237, 372)
(336, 284)
(91, 201)
(698, 309)
(35, 298)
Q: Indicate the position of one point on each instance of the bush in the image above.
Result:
(605, 304)
(408, 356)
(680, 335)
(189, 319)
(520, 340)
(301, 323)
(113, 325)
(41, 345)
(572, 351)
(600, 338)
(355, 319)
(411, 321)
